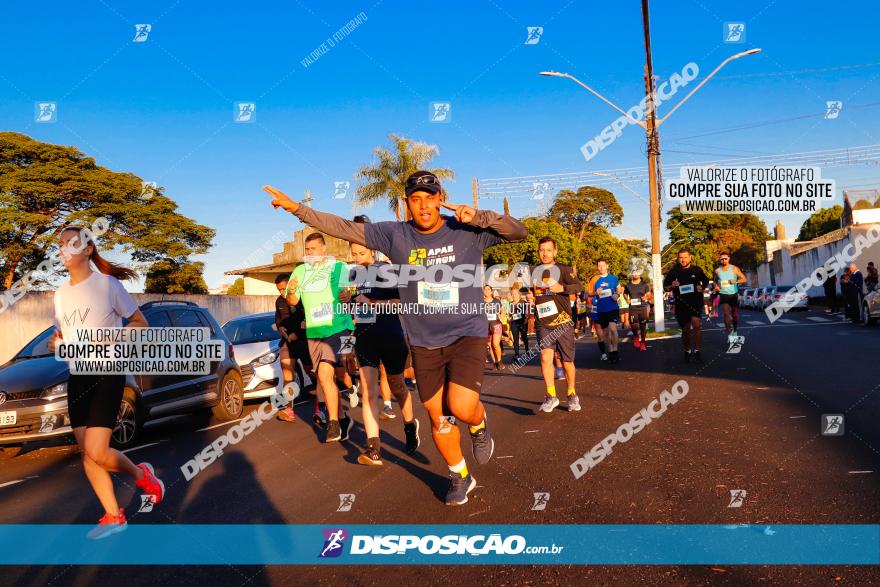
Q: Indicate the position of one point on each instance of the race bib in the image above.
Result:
(492, 317)
(547, 309)
(604, 293)
(686, 289)
(366, 317)
(725, 283)
(635, 302)
(321, 315)
(437, 294)
(515, 316)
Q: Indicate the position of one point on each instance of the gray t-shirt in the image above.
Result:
(453, 244)
(446, 311)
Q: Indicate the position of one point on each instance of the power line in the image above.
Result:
(525, 186)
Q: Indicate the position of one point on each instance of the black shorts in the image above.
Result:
(298, 349)
(461, 363)
(391, 351)
(731, 300)
(684, 313)
(606, 318)
(640, 312)
(560, 339)
(93, 400)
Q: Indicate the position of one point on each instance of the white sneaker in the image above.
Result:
(604, 357)
(550, 402)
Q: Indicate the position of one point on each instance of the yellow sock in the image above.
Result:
(478, 427)
(460, 468)
(571, 392)
(551, 391)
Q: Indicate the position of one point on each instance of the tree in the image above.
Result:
(821, 222)
(237, 288)
(706, 235)
(168, 277)
(526, 251)
(45, 187)
(862, 205)
(587, 207)
(386, 177)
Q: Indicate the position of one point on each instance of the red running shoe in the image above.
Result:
(643, 347)
(636, 342)
(108, 525)
(150, 484)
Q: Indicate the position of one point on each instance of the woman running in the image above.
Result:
(494, 310)
(97, 300)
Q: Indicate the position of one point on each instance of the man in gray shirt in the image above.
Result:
(444, 322)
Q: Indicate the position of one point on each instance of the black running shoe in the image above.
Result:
(344, 424)
(687, 356)
(482, 444)
(333, 431)
(411, 430)
(698, 357)
(459, 487)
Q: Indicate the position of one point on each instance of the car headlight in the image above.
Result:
(55, 392)
(266, 359)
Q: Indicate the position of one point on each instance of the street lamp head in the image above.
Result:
(749, 52)
(552, 73)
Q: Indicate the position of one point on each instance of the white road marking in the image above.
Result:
(505, 457)
(141, 446)
(787, 321)
(795, 417)
(755, 322)
(818, 319)
(220, 424)
(859, 472)
(17, 481)
(530, 431)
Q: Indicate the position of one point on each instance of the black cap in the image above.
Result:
(422, 181)
(361, 219)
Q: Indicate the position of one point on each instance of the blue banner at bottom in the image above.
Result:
(178, 544)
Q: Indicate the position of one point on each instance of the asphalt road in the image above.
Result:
(750, 421)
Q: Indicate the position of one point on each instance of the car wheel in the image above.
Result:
(866, 316)
(231, 397)
(128, 421)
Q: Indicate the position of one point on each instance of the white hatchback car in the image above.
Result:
(255, 342)
(871, 306)
(780, 293)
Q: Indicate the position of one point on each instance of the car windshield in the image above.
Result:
(247, 330)
(38, 347)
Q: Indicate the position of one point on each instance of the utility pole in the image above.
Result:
(653, 153)
(475, 192)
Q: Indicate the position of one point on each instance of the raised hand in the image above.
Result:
(464, 214)
(280, 199)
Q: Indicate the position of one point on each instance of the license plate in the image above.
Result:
(8, 418)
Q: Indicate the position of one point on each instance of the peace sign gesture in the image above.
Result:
(280, 199)
(464, 214)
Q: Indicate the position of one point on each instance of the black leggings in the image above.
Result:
(519, 329)
(638, 321)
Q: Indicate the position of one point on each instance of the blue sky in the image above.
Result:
(163, 109)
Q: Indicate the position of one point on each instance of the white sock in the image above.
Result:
(388, 403)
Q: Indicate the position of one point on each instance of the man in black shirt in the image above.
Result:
(687, 282)
(554, 328)
(289, 323)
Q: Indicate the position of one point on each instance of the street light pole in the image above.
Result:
(651, 124)
(653, 178)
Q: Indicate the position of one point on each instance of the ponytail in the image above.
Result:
(106, 267)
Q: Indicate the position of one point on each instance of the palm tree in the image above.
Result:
(385, 178)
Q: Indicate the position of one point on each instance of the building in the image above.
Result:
(788, 262)
(260, 280)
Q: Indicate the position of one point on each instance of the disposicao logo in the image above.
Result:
(334, 542)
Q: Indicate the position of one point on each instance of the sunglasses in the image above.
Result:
(423, 180)
(725, 259)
